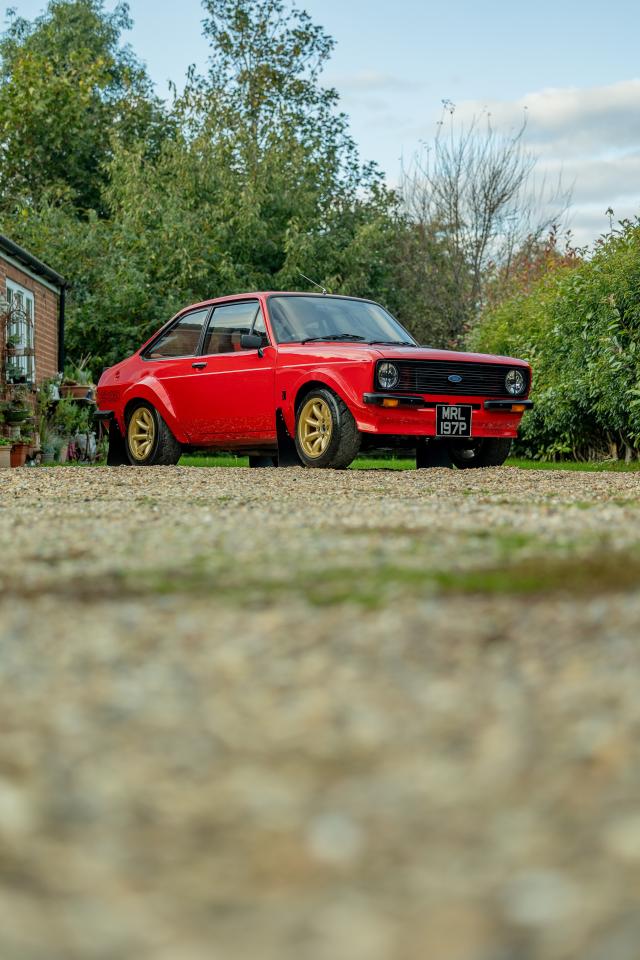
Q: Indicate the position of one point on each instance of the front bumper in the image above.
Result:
(415, 416)
(103, 415)
(391, 401)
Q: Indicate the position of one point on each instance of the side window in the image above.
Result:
(228, 323)
(182, 339)
(20, 330)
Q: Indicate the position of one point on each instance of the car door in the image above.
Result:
(234, 386)
(170, 361)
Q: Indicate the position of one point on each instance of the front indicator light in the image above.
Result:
(389, 402)
(518, 408)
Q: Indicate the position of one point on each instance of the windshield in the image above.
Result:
(298, 319)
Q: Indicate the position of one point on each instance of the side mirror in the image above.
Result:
(251, 341)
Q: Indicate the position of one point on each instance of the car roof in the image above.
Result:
(274, 293)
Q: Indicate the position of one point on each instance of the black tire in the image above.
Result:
(164, 449)
(483, 452)
(263, 461)
(344, 437)
(117, 450)
(432, 453)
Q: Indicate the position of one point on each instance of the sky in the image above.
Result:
(572, 67)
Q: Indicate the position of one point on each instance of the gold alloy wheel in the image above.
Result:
(141, 433)
(315, 427)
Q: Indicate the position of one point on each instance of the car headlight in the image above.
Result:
(515, 383)
(388, 375)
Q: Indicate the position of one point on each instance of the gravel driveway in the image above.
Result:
(308, 715)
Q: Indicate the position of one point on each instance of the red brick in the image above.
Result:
(46, 306)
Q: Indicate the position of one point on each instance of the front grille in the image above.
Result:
(478, 379)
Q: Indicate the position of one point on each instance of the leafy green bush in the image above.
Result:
(579, 327)
(70, 418)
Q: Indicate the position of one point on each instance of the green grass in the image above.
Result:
(600, 466)
(398, 463)
(229, 460)
(405, 463)
(370, 587)
(388, 463)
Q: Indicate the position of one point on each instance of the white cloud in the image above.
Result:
(369, 81)
(372, 97)
(588, 136)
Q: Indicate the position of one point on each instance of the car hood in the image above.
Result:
(361, 351)
(429, 353)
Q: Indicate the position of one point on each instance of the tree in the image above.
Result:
(248, 180)
(259, 182)
(578, 323)
(67, 88)
(288, 163)
(469, 196)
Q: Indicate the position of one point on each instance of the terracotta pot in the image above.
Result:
(77, 391)
(5, 457)
(19, 453)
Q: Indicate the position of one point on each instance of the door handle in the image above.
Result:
(200, 365)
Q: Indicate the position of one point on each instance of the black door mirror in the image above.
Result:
(251, 341)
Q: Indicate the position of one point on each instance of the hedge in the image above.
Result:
(579, 327)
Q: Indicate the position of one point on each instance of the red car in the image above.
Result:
(309, 379)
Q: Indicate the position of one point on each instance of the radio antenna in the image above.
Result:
(319, 286)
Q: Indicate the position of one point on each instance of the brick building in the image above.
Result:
(34, 312)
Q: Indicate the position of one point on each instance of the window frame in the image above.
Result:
(168, 327)
(28, 325)
(230, 303)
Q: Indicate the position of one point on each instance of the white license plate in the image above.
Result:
(453, 420)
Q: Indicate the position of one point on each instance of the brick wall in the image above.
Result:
(45, 319)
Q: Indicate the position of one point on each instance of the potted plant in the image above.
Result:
(47, 393)
(65, 419)
(16, 410)
(5, 453)
(15, 414)
(27, 436)
(19, 452)
(83, 437)
(13, 344)
(14, 373)
(51, 448)
(78, 381)
(70, 420)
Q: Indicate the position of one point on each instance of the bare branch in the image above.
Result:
(474, 189)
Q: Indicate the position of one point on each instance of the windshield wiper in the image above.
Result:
(334, 336)
(394, 343)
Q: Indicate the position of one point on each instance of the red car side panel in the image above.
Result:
(349, 376)
(156, 394)
(131, 380)
(231, 398)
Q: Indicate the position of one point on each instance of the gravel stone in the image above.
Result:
(338, 715)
